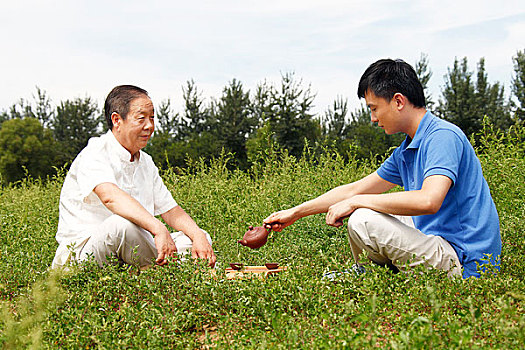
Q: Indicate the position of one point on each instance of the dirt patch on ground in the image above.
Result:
(208, 337)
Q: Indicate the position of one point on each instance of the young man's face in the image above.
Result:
(383, 112)
(134, 132)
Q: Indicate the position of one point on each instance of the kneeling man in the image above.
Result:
(445, 218)
(113, 192)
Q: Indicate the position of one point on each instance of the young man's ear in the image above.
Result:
(400, 100)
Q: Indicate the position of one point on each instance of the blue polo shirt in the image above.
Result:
(467, 219)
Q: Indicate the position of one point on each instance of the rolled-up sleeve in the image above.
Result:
(442, 154)
(90, 175)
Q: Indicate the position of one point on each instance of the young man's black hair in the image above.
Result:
(387, 77)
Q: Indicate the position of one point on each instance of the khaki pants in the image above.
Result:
(128, 242)
(393, 240)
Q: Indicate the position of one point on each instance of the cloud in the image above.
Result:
(86, 47)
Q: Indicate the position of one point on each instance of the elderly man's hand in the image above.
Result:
(165, 247)
(201, 249)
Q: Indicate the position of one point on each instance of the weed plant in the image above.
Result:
(183, 305)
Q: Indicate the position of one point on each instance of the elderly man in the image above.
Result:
(445, 217)
(113, 193)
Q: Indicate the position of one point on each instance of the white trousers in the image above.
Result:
(393, 240)
(129, 243)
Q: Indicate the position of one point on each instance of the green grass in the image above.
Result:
(186, 307)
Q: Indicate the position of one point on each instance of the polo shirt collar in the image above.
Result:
(119, 150)
(421, 131)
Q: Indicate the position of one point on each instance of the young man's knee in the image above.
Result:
(359, 219)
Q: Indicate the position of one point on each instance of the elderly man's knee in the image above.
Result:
(184, 243)
(119, 227)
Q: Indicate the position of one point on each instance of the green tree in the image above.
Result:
(288, 113)
(334, 120)
(40, 109)
(195, 126)
(4, 116)
(166, 119)
(424, 74)
(196, 117)
(458, 94)
(518, 85)
(234, 121)
(261, 103)
(335, 123)
(25, 145)
(19, 110)
(186, 136)
(490, 100)
(465, 101)
(43, 110)
(75, 122)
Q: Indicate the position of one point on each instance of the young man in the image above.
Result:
(113, 192)
(445, 218)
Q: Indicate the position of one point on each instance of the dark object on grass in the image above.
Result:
(255, 237)
(236, 266)
(271, 266)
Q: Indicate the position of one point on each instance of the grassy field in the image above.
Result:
(184, 306)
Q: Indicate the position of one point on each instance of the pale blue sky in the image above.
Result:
(84, 48)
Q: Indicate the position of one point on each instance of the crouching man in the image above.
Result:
(445, 218)
(113, 192)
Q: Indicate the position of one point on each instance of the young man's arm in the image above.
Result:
(122, 204)
(371, 184)
(179, 220)
(425, 201)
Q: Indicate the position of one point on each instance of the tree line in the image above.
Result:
(37, 137)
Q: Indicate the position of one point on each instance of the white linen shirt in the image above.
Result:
(104, 159)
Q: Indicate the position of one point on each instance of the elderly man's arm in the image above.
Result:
(122, 204)
(181, 221)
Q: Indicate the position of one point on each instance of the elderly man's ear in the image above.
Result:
(115, 119)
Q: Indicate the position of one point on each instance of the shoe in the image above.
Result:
(356, 270)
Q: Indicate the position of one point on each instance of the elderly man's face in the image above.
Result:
(134, 132)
